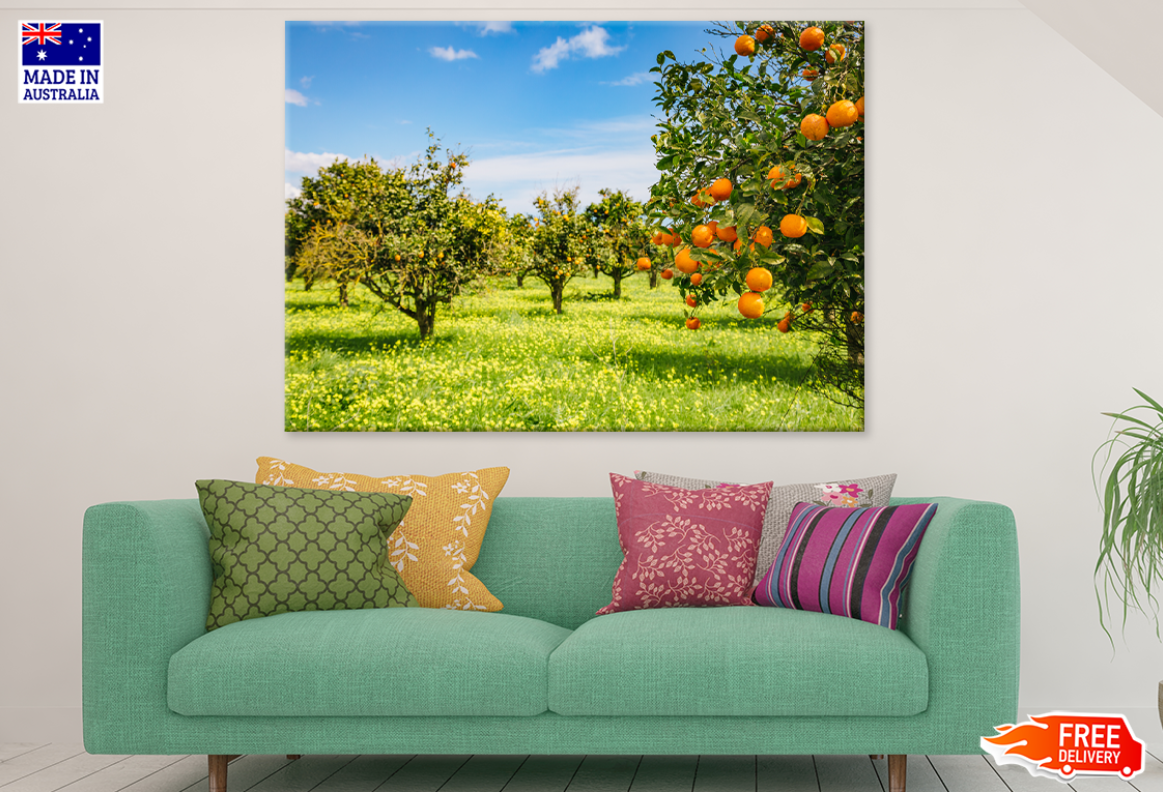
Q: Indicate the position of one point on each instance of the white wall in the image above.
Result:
(1013, 290)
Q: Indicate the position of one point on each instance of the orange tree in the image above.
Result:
(518, 253)
(559, 252)
(401, 234)
(761, 158)
(618, 223)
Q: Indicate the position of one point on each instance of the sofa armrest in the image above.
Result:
(146, 577)
(963, 609)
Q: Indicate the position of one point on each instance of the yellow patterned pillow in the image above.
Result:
(440, 537)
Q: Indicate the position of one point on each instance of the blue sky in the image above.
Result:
(535, 105)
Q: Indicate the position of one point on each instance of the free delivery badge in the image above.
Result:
(1064, 744)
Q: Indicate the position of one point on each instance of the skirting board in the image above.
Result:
(41, 724)
(63, 724)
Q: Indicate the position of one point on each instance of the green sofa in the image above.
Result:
(544, 675)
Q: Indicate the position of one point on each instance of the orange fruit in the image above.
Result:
(784, 180)
(726, 234)
(397, 257)
(657, 238)
(793, 226)
(643, 263)
(721, 189)
(684, 263)
(696, 279)
(784, 325)
(751, 305)
(806, 307)
(763, 33)
(702, 236)
(745, 45)
(673, 239)
(835, 53)
(860, 106)
(812, 39)
(758, 279)
(714, 226)
(814, 127)
(763, 236)
(857, 317)
(702, 198)
(692, 323)
(691, 301)
(810, 74)
(842, 114)
(667, 273)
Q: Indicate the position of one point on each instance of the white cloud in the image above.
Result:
(304, 162)
(451, 53)
(636, 79)
(590, 43)
(495, 27)
(306, 82)
(291, 96)
(290, 191)
(519, 178)
(548, 57)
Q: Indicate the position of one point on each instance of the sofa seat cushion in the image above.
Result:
(390, 661)
(736, 661)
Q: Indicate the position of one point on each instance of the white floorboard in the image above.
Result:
(785, 774)
(60, 767)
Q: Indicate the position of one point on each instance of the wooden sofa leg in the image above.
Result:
(293, 757)
(897, 764)
(218, 764)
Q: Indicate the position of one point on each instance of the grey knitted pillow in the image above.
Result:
(874, 491)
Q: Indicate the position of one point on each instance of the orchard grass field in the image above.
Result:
(501, 360)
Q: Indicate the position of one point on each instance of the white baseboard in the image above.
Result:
(41, 724)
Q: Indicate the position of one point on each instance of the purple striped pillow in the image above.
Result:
(849, 562)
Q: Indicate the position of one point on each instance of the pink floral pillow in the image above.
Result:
(685, 548)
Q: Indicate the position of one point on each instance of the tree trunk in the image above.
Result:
(426, 317)
(521, 279)
(556, 291)
(854, 334)
(342, 295)
(653, 278)
(617, 275)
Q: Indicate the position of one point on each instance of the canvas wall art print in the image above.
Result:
(574, 226)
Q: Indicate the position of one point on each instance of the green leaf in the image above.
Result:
(749, 216)
(814, 225)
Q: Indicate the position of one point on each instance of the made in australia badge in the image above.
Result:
(61, 62)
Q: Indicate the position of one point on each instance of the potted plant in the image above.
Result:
(1130, 558)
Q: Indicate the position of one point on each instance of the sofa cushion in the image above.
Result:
(846, 562)
(685, 548)
(438, 541)
(397, 661)
(280, 549)
(736, 661)
(872, 491)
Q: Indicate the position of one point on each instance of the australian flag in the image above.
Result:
(60, 44)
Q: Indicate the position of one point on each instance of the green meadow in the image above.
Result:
(501, 360)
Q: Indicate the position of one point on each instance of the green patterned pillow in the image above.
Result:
(280, 549)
